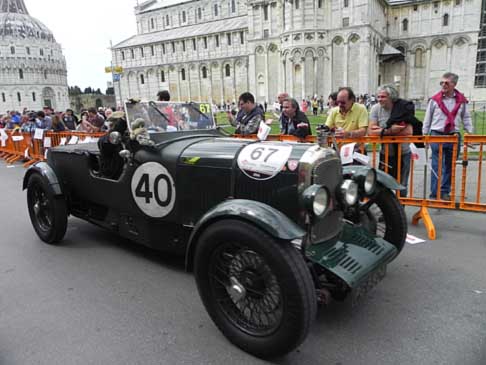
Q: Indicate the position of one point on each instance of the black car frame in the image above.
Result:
(269, 228)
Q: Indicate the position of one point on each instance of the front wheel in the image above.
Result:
(48, 213)
(385, 217)
(258, 291)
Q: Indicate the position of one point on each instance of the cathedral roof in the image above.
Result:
(159, 4)
(217, 26)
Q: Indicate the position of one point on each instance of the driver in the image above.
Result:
(111, 164)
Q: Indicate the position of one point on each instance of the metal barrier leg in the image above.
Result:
(423, 214)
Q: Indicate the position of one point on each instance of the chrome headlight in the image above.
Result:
(369, 184)
(316, 200)
(349, 190)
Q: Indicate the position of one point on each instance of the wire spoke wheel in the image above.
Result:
(258, 290)
(48, 213)
(247, 291)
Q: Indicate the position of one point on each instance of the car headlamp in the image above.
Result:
(316, 200)
(349, 190)
(369, 184)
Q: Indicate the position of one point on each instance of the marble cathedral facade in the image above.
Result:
(214, 50)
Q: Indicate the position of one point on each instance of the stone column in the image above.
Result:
(292, 69)
(210, 70)
(428, 59)
(234, 81)
(449, 57)
(222, 82)
(303, 76)
(189, 82)
(199, 82)
(179, 85)
(345, 61)
(314, 87)
(281, 77)
(267, 86)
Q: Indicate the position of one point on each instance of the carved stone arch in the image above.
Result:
(204, 64)
(191, 66)
(338, 40)
(353, 38)
(285, 54)
(321, 52)
(171, 68)
(259, 50)
(309, 52)
(214, 64)
(439, 42)
(461, 41)
(401, 45)
(418, 44)
(296, 53)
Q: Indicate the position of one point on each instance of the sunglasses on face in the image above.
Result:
(446, 83)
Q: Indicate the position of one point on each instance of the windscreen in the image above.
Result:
(159, 116)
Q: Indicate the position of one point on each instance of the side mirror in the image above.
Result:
(115, 138)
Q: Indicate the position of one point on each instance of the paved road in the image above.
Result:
(97, 299)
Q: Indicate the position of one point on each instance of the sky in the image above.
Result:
(84, 29)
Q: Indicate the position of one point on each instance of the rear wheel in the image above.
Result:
(48, 213)
(258, 291)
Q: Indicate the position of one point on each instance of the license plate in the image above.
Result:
(369, 283)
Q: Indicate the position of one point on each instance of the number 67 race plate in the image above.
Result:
(262, 161)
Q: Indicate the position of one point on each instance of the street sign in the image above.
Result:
(116, 77)
(116, 69)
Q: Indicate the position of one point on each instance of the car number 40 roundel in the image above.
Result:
(153, 189)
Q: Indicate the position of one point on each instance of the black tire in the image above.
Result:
(390, 222)
(48, 213)
(276, 282)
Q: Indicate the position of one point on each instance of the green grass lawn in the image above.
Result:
(479, 120)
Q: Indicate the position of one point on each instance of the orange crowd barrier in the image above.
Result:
(24, 146)
(471, 182)
(465, 190)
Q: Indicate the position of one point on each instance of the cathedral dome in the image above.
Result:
(32, 66)
(23, 26)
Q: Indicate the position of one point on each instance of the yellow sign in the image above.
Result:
(115, 69)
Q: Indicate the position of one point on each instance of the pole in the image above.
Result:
(113, 76)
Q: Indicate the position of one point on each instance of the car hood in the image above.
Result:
(224, 152)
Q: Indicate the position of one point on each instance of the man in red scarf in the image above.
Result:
(445, 111)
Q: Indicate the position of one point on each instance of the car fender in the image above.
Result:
(47, 172)
(382, 177)
(269, 219)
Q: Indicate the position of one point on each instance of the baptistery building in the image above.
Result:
(32, 67)
(216, 49)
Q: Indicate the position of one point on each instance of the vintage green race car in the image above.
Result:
(269, 228)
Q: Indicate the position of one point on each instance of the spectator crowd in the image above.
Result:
(91, 120)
